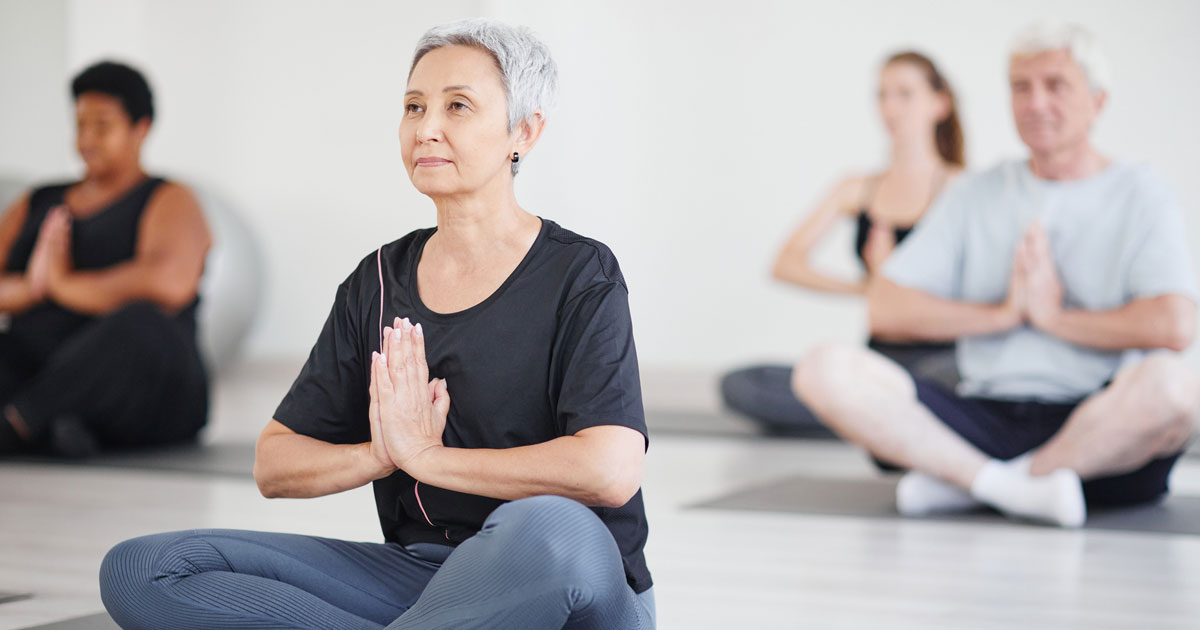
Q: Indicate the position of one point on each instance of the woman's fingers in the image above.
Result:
(441, 398)
(373, 409)
(416, 374)
(395, 363)
(422, 371)
(385, 363)
(395, 353)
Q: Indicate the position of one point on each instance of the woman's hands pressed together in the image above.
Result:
(51, 258)
(408, 410)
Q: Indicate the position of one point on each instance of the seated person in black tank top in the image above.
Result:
(99, 286)
(504, 433)
(918, 111)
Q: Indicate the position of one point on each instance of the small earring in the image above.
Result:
(516, 157)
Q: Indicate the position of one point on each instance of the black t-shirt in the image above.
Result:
(548, 354)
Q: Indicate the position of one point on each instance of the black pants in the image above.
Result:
(131, 378)
(1005, 429)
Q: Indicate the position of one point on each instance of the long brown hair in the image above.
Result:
(948, 134)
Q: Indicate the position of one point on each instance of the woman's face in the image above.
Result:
(104, 136)
(909, 106)
(454, 137)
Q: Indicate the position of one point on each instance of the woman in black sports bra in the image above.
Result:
(918, 109)
(99, 288)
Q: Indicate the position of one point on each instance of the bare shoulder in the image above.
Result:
(175, 203)
(13, 220)
(174, 195)
(850, 191)
(172, 211)
(19, 208)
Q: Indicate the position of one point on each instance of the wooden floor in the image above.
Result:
(713, 569)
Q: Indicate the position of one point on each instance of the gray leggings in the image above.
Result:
(542, 562)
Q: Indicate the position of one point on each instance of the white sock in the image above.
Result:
(919, 494)
(1056, 498)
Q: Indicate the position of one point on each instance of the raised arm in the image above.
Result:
(173, 240)
(792, 264)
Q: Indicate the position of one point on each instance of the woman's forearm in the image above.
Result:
(16, 295)
(290, 465)
(809, 278)
(102, 291)
(571, 466)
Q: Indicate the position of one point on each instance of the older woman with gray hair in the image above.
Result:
(481, 374)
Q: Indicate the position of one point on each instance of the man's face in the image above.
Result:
(1053, 105)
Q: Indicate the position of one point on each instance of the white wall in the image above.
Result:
(690, 137)
(33, 63)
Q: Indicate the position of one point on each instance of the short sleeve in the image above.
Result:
(329, 399)
(597, 368)
(1160, 264)
(930, 259)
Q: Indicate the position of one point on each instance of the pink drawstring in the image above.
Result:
(379, 264)
(416, 492)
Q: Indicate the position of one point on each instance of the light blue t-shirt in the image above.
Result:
(1116, 236)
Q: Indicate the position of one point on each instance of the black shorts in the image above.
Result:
(1005, 429)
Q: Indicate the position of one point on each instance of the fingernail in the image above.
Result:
(417, 329)
(387, 331)
(407, 326)
(396, 323)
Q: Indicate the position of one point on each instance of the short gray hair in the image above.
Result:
(1079, 42)
(527, 70)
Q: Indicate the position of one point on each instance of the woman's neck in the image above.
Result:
(916, 157)
(117, 179)
(473, 230)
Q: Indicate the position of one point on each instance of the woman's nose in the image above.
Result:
(430, 127)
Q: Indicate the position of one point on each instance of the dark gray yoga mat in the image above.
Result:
(876, 498)
(98, 621)
(720, 423)
(13, 596)
(225, 460)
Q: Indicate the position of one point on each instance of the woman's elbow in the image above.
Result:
(265, 485)
(268, 484)
(790, 267)
(779, 271)
(173, 295)
(615, 495)
(618, 486)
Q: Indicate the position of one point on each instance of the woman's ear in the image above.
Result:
(141, 129)
(528, 132)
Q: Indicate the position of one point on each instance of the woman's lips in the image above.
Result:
(431, 161)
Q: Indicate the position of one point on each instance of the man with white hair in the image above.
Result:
(1067, 283)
